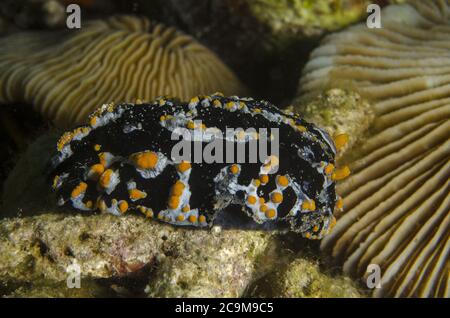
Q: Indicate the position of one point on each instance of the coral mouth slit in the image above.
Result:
(291, 190)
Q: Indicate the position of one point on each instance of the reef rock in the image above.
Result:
(180, 262)
(303, 278)
(337, 111)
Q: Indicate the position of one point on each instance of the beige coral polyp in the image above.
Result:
(67, 74)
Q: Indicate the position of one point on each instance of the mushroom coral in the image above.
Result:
(67, 74)
(396, 201)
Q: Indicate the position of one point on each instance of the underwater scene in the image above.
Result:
(225, 149)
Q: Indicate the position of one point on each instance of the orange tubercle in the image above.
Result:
(329, 168)
(79, 189)
(251, 199)
(96, 171)
(276, 197)
(340, 141)
(136, 194)
(340, 174)
(146, 160)
(174, 202)
(234, 169)
(177, 188)
(282, 181)
(309, 205)
(271, 213)
(123, 206)
(105, 178)
(184, 166)
(264, 178)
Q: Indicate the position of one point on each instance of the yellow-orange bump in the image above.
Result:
(148, 213)
(329, 168)
(105, 178)
(96, 170)
(192, 218)
(79, 189)
(264, 178)
(145, 160)
(270, 214)
(123, 206)
(340, 204)
(174, 202)
(190, 125)
(202, 219)
(234, 169)
(195, 100)
(177, 188)
(341, 173)
(93, 121)
(184, 166)
(229, 105)
(309, 205)
(102, 157)
(276, 197)
(340, 141)
(136, 194)
(251, 199)
(282, 181)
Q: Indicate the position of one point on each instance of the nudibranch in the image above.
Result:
(122, 160)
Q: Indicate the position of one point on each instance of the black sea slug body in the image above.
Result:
(123, 161)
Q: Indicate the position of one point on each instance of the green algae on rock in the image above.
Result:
(203, 270)
(338, 111)
(303, 278)
(287, 19)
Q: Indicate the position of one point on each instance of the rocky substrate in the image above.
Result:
(132, 256)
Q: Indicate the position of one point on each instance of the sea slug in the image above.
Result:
(123, 161)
